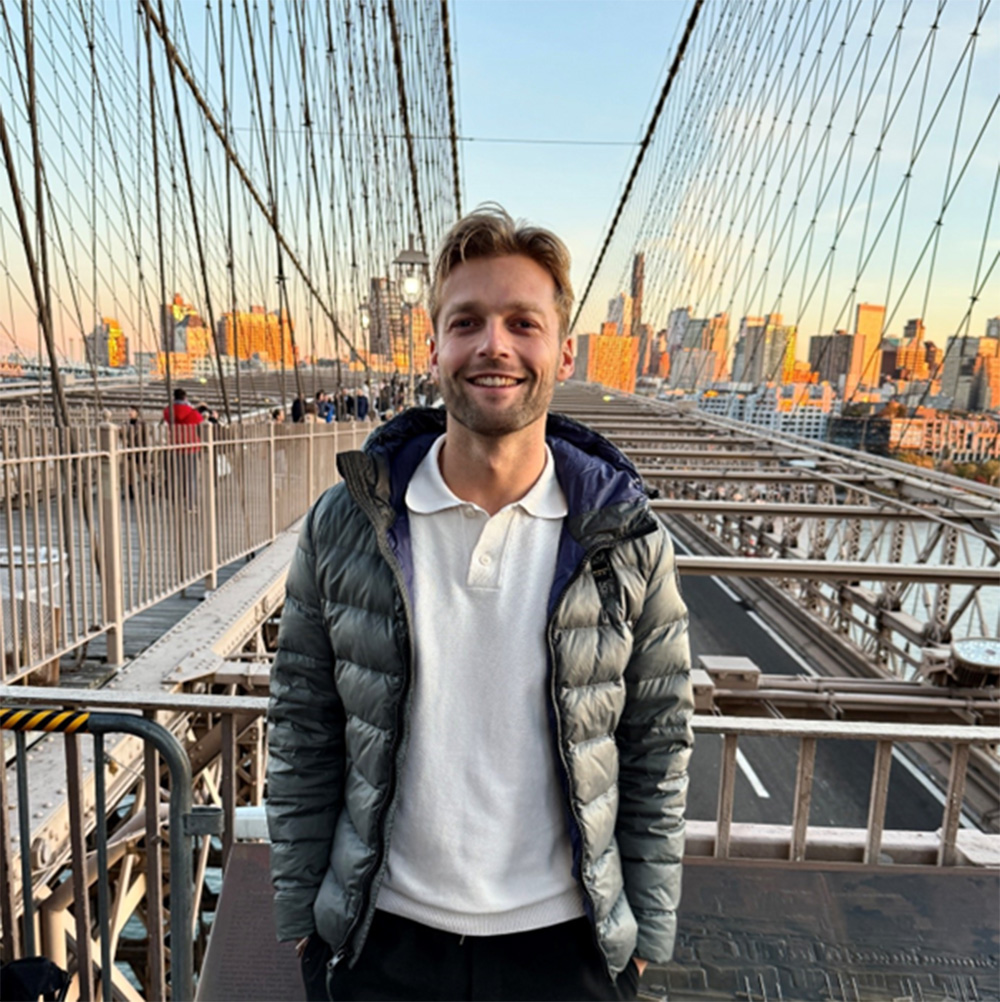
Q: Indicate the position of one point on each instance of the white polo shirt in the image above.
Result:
(480, 842)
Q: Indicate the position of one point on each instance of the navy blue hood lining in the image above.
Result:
(593, 473)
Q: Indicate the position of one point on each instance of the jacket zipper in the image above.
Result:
(366, 912)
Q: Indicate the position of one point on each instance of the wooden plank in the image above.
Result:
(855, 730)
(803, 798)
(953, 804)
(727, 789)
(877, 801)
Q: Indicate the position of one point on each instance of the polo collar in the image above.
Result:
(428, 493)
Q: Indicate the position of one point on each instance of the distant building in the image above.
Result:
(642, 331)
(107, 345)
(422, 332)
(620, 313)
(961, 440)
(677, 327)
(256, 334)
(764, 350)
(993, 327)
(847, 361)
(700, 358)
(385, 309)
(969, 377)
(803, 409)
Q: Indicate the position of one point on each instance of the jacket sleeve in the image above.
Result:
(305, 748)
(654, 744)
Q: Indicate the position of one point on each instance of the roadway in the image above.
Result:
(724, 624)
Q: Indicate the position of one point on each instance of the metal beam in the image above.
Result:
(772, 567)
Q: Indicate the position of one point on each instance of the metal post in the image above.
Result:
(24, 819)
(103, 906)
(272, 512)
(412, 387)
(211, 521)
(181, 843)
(111, 544)
(310, 461)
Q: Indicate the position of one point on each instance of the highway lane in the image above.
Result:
(721, 623)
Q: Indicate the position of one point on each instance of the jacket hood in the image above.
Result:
(603, 489)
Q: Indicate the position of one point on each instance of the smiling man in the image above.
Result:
(479, 721)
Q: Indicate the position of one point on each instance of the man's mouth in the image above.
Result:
(494, 381)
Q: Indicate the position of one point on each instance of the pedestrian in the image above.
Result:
(480, 703)
(137, 458)
(278, 415)
(362, 404)
(310, 413)
(298, 410)
(322, 405)
(384, 400)
(183, 420)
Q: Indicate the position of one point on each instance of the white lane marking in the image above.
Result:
(918, 775)
(784, 645)
(678, 545)
(726, 589)
(748, 770)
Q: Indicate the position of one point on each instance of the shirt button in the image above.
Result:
(486, 560)
(469, 512)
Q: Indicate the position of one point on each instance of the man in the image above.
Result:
(481, 698)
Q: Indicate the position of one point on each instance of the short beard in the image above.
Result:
(460, 407)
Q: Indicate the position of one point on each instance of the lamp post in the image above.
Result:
(411, 264)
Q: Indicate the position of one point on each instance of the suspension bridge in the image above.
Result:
(230, 197)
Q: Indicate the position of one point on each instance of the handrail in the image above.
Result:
(184, 823)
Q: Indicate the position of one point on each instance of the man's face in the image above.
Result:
(497, 353)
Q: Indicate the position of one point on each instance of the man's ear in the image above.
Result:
(433, 358)
(567, 363)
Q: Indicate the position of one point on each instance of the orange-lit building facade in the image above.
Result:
(258, 334)
(107, 345)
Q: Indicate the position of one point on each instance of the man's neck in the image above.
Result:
(492, 472)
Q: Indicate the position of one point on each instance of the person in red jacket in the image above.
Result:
(183, 462)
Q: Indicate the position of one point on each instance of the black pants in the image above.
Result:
(405, 961)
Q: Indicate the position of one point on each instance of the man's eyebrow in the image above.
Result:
(474, 305)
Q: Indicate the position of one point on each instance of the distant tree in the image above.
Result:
(967, 471)
(990, 471)
(915, 459)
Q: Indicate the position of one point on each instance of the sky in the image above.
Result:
(570, 85)
(559, 69)
(590, 70)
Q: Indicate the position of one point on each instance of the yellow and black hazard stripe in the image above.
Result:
(67, 721)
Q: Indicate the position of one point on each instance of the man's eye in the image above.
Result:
(524, 324)
(461, 323)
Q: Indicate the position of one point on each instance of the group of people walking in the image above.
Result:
(358, 404)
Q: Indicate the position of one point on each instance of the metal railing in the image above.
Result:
(210, 727)
(185, 822)
(112, 838)
(92, 533)
(799, 840)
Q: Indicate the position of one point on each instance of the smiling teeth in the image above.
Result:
(494, 381)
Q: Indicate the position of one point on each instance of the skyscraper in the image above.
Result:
(644, 333)
(385, 308)
(764, 351)
(866, 361)
(620, 313)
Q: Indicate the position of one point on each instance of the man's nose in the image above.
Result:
(494, 338)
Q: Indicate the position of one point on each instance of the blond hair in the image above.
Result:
(490, 231)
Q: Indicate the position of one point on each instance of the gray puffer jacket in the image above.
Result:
(620, 694)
